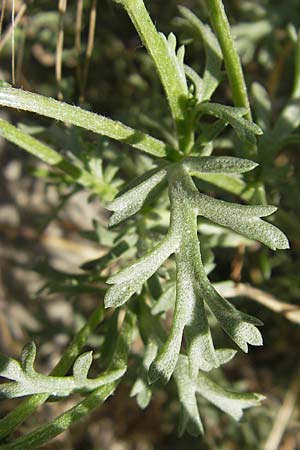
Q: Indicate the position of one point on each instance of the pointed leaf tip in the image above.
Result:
(155, 373)
(245, 129)
(243, 219)
(131, 279)
(82, 366)
(131, 201)
(28, 357)
(230, 402)
(218, 164)
(164, 364)
(119, 294)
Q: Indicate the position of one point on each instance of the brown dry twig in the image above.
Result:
(238, 263)
(90, 46)
(78, 25)
(62, 6)
(2, 15)
(288, 310)
(284, 414)
(7, 35)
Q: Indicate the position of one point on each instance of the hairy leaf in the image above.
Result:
(131, 201)
(245, 129)
(218, 164)
(131, 279)
(45, 106)
(176, 58)
(230, 402)
(27, 381)
(193, 289)
(242, 219)
(212, 72)
(197, 82)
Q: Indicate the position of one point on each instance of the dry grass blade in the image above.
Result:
(288, 310)
(62, 6)
(13, 44)
(2, 15)
(90, 46)
(77, 43)
(17, 19)
(20, 54)
(284, 414)
(78, 26)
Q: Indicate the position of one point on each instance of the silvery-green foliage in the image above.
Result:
(218, 164)
(193, 289)
(212, 74)
(176, 56)
(152, 335)
(174, 252)
(245, 130)
(27, 381)
(283, 129)
(131, 201)
(188, 388)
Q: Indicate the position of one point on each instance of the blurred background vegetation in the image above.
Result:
(47, 228)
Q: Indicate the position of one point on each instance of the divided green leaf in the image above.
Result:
(193, 288)
(27, 381)
(230, 402)
(245, 130)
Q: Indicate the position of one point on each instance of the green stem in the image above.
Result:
(46, 154)
(296, 87)
(46, 432)
(48, 107)
(28, 406)
(236, 79)
(167, 66)
(232, 61)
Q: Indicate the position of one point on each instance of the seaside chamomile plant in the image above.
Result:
(158, 226)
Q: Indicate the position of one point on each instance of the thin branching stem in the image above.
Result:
(21, 52)
(77, 42)
(78, 26)
(13, 74)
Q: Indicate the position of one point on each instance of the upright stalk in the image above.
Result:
(166, 65)
(232, 61)
(236, 80)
